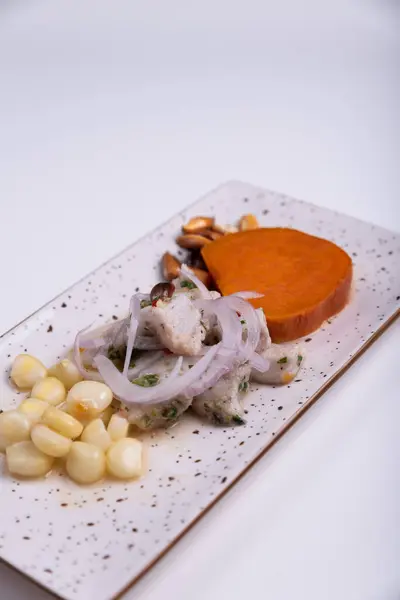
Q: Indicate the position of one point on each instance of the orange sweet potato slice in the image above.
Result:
(304, 279)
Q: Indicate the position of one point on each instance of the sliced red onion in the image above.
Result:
(188, 273)
(248, 313)
(144, 363)
(134, 311)
(226, 309)
(86, 373)
(131, 394)
(259, 363)
(148, 342)
(93, 339)
(222, 364)
(92, 343)
(248, 295)
(231, 330)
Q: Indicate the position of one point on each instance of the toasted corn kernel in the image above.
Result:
(192, 240)
(248, 222)
(170, 266)
(198, 224)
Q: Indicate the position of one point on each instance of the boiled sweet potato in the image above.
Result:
(304, 279)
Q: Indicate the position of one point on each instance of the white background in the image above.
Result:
(113, 116)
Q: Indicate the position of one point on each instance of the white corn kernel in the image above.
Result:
(124, 458)
(27, 370)
(106, 415)
(118, 427)
(14, 427)
(88, 399)
(67, 372)
(86, 463)
(26, 460)
(50, 442)
(50, 390)
(95, 433)
(62, 422)
(33, 408)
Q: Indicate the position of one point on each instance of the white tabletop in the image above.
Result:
(114, 115)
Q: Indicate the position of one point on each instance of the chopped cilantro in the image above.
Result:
(117, 356)
(282, 360)
(299, 359)
(147, 380)
(115, 353)
(243, 322)
(238, 420)
(188, 284)
(170, 413)
(146, 421)
(243, 386)
(217, 418)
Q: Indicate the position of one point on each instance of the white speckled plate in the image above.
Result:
(95, 542)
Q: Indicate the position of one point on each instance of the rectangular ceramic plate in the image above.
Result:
(86, 542)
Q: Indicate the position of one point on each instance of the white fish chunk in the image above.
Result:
(177, 324)
(285, 362)
(221, 404)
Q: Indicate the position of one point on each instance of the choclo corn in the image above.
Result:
(62, 422)
(88, 399)
(106, 415)
(27, 370)
(95, 433)
(14, 427)
(118, 427)
(49, 389)
(86, 463)
(50, 442)
(33, 408)
(67, 372)
(25, 459)
(124, 458)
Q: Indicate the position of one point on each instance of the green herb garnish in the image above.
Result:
(217, 418)
(170, 413)
(299, 359)
(243, 386)
(147, 380)
(243, 322)
(115, 354)
(188, 284)
(238, 420)
(282, 360)
(144, 303)
(146, 421)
